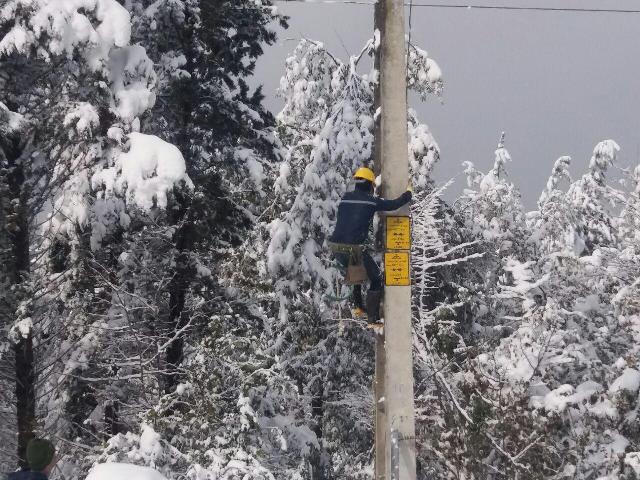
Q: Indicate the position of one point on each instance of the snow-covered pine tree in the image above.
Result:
(336, 140)
(553, 223)
(80, 91)
(34, 28)
(470, 253)
(593, 201)
(205, 50)
(491, 210)
(196, 334)
(444, 255)
(629, 222)
(555, 397)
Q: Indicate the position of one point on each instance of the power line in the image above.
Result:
(474, 6)
(541, 9)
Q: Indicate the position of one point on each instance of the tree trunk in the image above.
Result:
(179, 285)
(25, 395)
(178, 318)
(318, 462)
(111, 423)
(17, 224)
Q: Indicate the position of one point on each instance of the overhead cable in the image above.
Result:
(474, 6)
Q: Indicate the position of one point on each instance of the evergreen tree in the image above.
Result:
(183, 354)
(630, 216)
(593, 200)
(544, 398)
(553, 227)
(80, 87)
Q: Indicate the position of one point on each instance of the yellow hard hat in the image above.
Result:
(365, 173)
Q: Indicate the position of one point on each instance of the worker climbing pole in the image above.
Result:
(355, 215)
(397, 400)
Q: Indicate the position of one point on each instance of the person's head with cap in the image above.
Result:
(41, 455)
(365, 178)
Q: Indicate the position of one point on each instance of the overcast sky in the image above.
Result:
(556, 83)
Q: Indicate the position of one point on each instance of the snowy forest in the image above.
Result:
(164, 279)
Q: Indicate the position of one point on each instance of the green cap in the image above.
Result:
(40, 453)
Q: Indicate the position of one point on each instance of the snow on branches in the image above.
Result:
(338, 139)
(149, 169)
(61, 27)
(328, 123)
(98, 30)
(531, 350)
(423, 73)
(592, 201)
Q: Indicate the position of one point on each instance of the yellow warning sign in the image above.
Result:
(398, 235)
(396, 269)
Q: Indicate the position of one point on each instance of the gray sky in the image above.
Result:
(557, 83)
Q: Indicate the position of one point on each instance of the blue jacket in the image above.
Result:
(356, 211)
(27, 475)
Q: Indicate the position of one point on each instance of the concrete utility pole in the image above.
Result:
(400, 455)
(378, 383)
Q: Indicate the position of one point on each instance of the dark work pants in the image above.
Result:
(373, 272)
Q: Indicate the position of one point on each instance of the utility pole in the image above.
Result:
(400, 454)
(378, 383)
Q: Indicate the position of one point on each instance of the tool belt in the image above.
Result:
(350, 248)
(356, 273)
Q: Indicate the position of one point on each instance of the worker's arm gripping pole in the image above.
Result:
(399, 401)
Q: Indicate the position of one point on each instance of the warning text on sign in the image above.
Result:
(396, 269)
(398, 235)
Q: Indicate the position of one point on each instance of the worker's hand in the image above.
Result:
(410, 187)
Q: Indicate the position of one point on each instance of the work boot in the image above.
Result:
(374, 297)
(358, 313)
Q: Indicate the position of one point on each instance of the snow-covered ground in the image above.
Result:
(123, 471)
